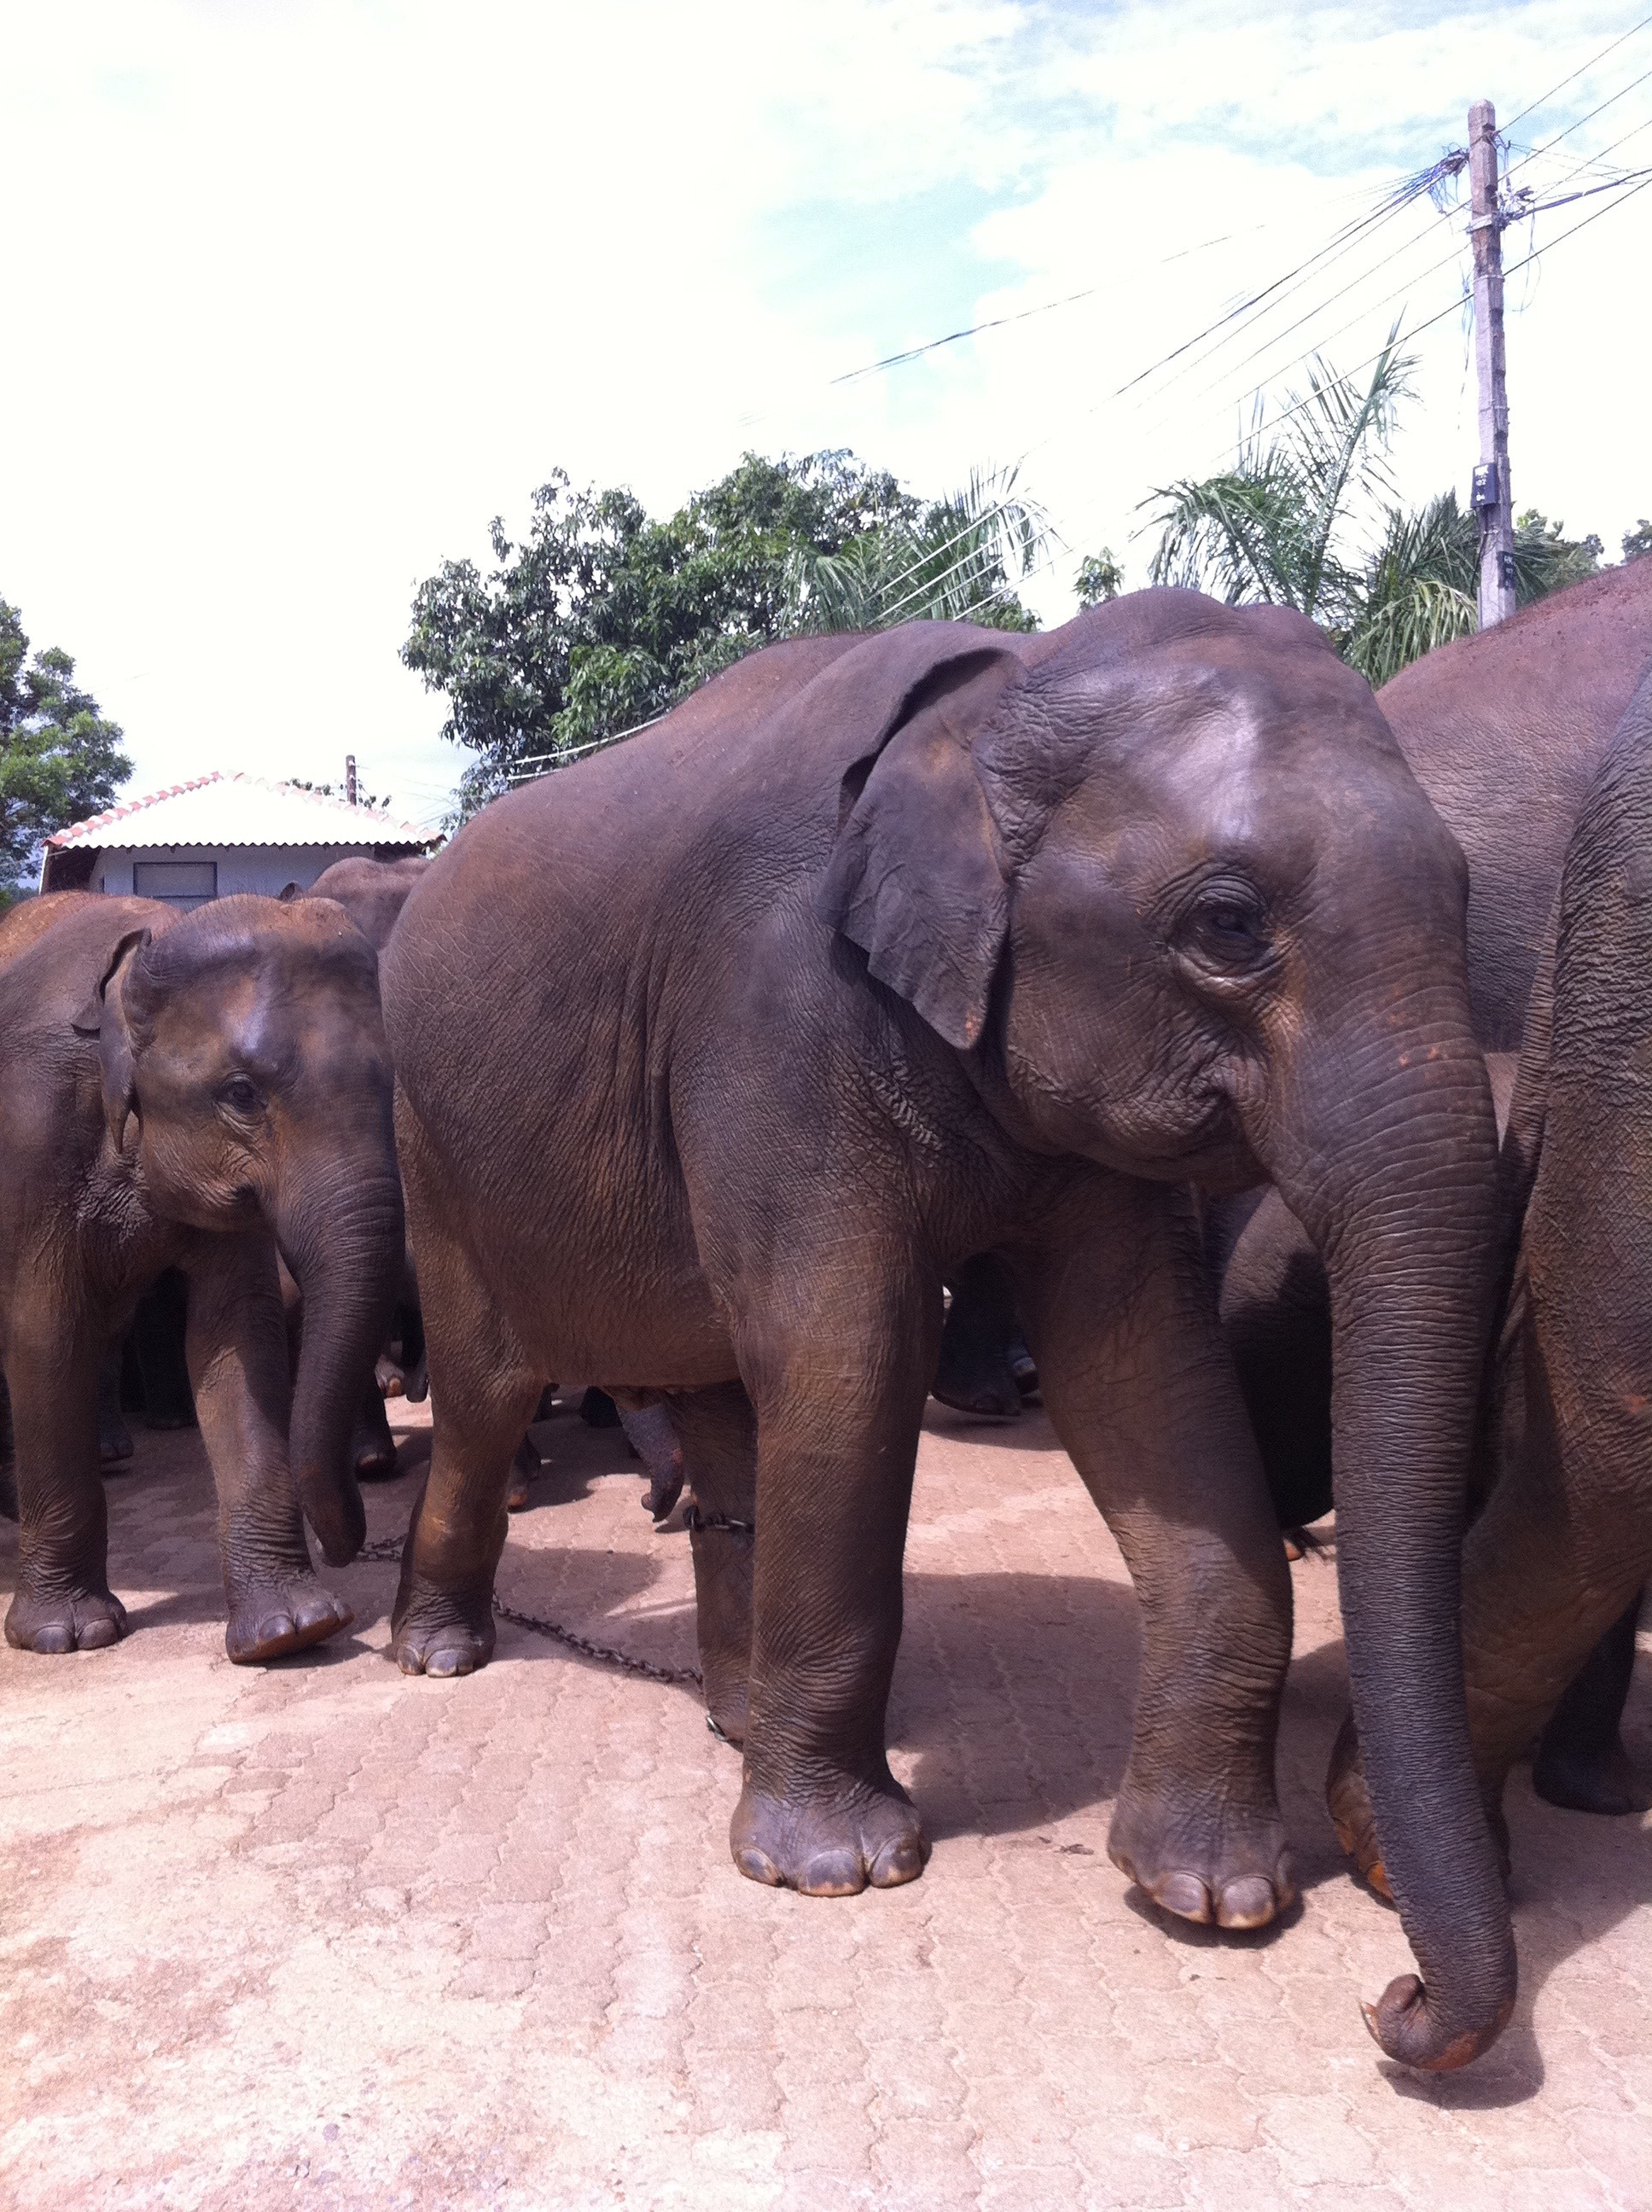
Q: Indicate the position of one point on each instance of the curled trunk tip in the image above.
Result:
(1404, 2025)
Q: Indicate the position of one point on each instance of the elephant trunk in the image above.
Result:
(1403, 1210)
(343, 1243)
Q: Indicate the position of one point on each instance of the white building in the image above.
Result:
(218, 835)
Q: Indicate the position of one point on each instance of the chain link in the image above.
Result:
(390, 1547)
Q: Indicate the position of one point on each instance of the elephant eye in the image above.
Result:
(1228, 929)
(241, 1094)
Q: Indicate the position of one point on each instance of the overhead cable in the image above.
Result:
(1543, 99)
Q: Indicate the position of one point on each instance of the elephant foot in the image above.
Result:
(1589, 1780)
(441, 1632)
(988, 1397)
(829, 1847)
(115, 1447)
(272, 1618)
(76, 1620)
(1351, 1816)
(524, 1467)
(1350, 1804)
(1024, 1370)
(1228, 1867)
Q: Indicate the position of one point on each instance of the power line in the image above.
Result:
(1410, 188)
(1049, 307)
(1543, 99)
(1549, 144)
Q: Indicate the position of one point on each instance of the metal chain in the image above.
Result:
(391, 1547)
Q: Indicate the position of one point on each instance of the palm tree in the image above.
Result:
(1270, 527)
(1275, 527)
(957, 560)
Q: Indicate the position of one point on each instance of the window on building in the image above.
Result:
(181, 883)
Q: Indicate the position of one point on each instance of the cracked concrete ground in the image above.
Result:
(316, 1935)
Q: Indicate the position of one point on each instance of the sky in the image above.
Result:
(301, 293)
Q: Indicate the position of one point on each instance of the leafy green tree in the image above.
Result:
(1100, 578)
(60, 759)
(601, 618)
(1637, 542)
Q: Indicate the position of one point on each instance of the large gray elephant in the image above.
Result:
(1505, 732)
(717, 1054)
(1558, 1558)
(193, 1091)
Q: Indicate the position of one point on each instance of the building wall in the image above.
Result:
(265, 868)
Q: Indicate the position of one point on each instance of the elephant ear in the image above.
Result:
(917, 878)
(103, 1017)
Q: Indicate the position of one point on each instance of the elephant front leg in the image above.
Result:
(1143, 1395)
(236, 1348)
(62, 1602)
(838, 1442)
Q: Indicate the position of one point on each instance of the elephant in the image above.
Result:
(371, 892)
(156, 1382)
(1504, 731)
(1554, 1565)
(196, 1090)
(718, 1051)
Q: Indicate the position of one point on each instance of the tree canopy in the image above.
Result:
(601, 618)
(60, 758)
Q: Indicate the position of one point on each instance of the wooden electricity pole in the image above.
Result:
(349, 772)
(1493, 506)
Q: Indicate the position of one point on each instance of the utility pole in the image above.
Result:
(349, 758)
(1493, 506)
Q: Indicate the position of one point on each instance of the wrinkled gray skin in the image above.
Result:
(879, 954)
(1558, 1558)
(199, 1091)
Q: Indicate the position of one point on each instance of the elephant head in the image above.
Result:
(1165, 881)
(245, 1067)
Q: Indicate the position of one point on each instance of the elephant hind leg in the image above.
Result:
(717, 1431)
(1580, 1763)
(485, 1390)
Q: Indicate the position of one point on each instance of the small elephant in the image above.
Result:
(718, 1054)
(195, 1091)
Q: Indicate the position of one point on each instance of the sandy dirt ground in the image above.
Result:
(315, 1935)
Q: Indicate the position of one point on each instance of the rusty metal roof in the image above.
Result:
(220, 809)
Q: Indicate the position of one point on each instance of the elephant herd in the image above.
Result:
(1137, 981)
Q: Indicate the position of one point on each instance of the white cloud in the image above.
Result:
(301, 294)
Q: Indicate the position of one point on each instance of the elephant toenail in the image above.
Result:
(756, 1866)
(55, 1640)
(898, 1862)
(1185, 1895)
(834, 1874)
(447, 1662)
(1246, 1903)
